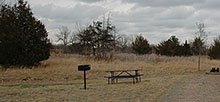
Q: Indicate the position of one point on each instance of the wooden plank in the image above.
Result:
(124, 76)
(122, 70)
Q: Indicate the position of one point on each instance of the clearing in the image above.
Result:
(58, 79)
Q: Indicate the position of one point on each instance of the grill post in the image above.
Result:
(84, 68)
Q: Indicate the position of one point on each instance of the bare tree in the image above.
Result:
(200, 35)
(201, 31)
(122, 41)
(63, 34)
(73, 39)
(78, 29)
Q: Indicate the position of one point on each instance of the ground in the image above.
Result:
(166, 79)
(199, 88)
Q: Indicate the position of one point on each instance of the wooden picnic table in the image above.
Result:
(118, 74)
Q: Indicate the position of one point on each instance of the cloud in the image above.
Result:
(90, 1)
(152, 3)
(208, 5)
(164, 3)
(155, 19)
(78, 12)
(56, 16)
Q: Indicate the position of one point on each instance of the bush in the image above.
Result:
(214, 49)
(141, 45)
(23, 38)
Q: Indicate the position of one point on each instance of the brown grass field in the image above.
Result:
(58, 79)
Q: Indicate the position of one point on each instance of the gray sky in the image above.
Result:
(157, 20)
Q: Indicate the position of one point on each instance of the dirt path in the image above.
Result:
(202, 88)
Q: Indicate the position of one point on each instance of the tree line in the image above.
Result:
(172, 46)
(98, 39)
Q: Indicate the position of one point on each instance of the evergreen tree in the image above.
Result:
(171, 47)
(141, 45)
(198, 46)
(186, 50)
(214, 51)
(23, 38)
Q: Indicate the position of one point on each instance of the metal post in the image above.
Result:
(84, 68)
(84, 79)
(199, 63)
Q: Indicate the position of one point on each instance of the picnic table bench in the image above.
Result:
(119, 74)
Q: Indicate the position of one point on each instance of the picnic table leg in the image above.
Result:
(133, 81)
(108, 81)
(136, 73)
(112, 81)
(140, 78)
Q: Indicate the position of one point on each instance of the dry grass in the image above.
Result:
(58, 79)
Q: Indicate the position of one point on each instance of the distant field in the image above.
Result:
(58, 79)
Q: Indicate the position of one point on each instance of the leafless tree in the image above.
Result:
(78, 28)
(123, 41)
(63, 34)
(201, 31)
(73, 39)
(200, 34)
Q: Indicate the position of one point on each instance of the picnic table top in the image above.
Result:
(122, 70)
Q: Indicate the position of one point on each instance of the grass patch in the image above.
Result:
(58, 78)
(38, 85)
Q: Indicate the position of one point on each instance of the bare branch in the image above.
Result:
(73, 39)
(123, 41)
(63, 35)
(201, 31)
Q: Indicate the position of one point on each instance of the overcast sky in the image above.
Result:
(157, 20)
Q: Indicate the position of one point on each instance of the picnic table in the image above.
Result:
(119, 74)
